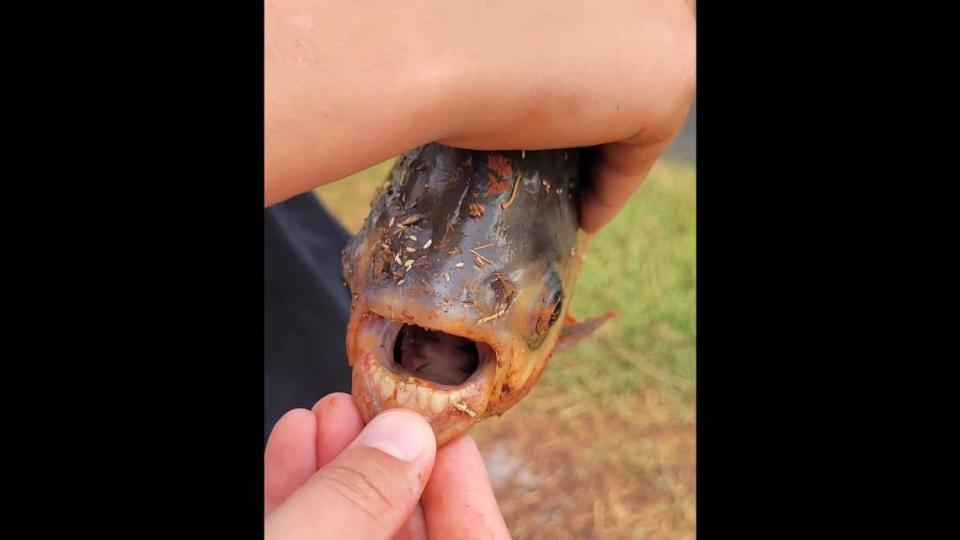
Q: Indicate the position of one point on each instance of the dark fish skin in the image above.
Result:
(495, 247)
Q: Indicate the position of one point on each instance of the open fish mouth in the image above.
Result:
(445, 377)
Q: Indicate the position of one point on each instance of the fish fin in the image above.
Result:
(573, 332)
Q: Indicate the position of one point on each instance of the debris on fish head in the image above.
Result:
(460, 281)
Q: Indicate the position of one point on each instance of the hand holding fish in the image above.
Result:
(348, 85)
(328, 476)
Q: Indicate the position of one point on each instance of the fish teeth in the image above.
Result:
(386, 386)
(423, 397)
(405, 392)
(438, 402)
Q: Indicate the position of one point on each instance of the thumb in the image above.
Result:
(369, 490)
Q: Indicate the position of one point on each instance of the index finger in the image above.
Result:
(458, 501)
(618, 172)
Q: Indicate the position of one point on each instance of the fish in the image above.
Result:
(461, 279)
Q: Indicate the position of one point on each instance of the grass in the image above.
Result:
(642, 266)
(606, 439)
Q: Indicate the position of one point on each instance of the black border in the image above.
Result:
(162, 332)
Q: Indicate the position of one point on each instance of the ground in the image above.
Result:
(604, 445)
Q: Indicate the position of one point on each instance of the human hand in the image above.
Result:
(328, 476)
(566, 73)
(351, 84)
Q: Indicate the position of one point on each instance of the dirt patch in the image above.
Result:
(591, 471)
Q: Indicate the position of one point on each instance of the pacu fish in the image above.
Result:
(461, 278)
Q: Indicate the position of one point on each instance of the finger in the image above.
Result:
(415, 528)
(370, 490)
(620, 169)
(458, 499)
(338, 424)
(290, 458)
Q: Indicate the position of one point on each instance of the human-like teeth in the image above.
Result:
(423, 397)
(405, 392)
(438, 402)
(386, 386)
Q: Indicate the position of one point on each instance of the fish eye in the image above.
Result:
(548, 311)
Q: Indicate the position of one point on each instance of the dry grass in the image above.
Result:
(584, 471)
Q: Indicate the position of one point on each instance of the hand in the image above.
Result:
(350, 84)
(328, 476)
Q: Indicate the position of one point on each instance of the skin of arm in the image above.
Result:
(349, 85)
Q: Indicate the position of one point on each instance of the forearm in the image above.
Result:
(343, 92)
(351, 84)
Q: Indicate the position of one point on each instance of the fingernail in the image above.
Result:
(398, 434)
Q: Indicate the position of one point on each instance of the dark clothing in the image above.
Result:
(306, 307)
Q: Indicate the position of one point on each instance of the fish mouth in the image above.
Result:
(445, 377)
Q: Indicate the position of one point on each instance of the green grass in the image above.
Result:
(642, 265)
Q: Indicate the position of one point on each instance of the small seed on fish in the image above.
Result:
(411, 220)
(391, 222)
(397, 258)
(484, 259)
(446, 277)
(409, 263)
(492, 317)
(513, 195)
(411, 249)
(425, 246)
(463, 407)
(412, 237)
(401, 282)
(459, 265)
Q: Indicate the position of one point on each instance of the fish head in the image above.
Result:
(460, 279)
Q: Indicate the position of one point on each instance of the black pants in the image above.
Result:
(306, 307)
